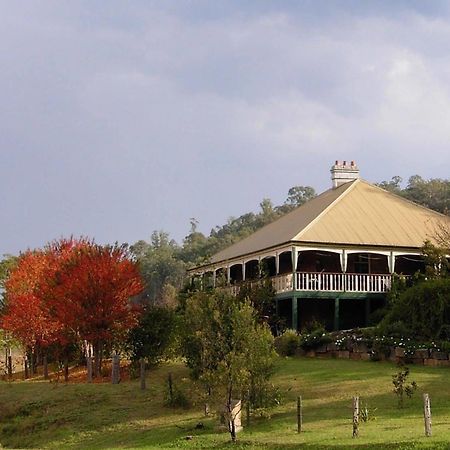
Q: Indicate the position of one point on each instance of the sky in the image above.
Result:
(119, 118)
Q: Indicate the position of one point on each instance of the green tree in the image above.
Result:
(298, 195)
(6, 265)
(262, 298)
(154, 336)
(436, 262)
(394, 185)
(160, 265)
(227, 348)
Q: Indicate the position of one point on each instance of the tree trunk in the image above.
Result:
(66, 369)
(169, 380)
(45, 363)
(97, 363)
(25, 368)
(31, 363)
(142, 373)
(9, 364)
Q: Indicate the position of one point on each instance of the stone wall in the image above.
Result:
(359, 351)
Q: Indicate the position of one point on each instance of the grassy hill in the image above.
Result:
(40, 414)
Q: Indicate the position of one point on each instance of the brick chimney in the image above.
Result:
(343, 172)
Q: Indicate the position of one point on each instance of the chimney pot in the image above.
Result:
(343, 173)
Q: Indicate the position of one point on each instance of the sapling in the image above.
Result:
(401, 386)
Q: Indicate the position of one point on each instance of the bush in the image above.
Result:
(287, 343)
(154, 336)
(315, 339)
(423, 310)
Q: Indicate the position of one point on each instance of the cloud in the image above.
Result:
(120, 119)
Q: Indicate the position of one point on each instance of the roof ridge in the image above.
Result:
(393, 194)
(351, 186)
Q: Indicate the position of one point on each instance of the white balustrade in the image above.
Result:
(329, 282)
(343, 282)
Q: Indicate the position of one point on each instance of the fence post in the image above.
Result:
(427, 414)
(89, 369)
(115, 370)
(299, 414)
(355, 416)
(142, 373)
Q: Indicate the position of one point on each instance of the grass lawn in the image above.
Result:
(40, 414)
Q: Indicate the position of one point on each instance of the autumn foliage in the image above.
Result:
(70, 292)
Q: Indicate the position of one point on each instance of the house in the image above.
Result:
(333, 258)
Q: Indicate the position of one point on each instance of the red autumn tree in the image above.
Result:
(91, 295)
(26, 316)
(71, 291)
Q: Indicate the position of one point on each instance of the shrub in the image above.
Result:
(287, 343)
(315, 339)
(424, 309)
(399, 380)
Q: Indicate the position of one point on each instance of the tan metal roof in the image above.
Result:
(356, 213)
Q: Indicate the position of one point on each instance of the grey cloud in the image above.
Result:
(122, 119)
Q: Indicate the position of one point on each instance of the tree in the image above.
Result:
(226, 347)
(394, 185)
(25, 315)
(6, 265)
(70, 291)
(298, 195)
(262, 297)
(154, 335)
(436, 262)
(159, 265)
(90, 294)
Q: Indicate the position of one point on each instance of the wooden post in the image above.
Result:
(89, 369)
(169, 380)
(9, 366)
(115, 370)
(299, 414)
(427, 414)
(142, 373)
(25, 367)
(355, 416)
(45, 363)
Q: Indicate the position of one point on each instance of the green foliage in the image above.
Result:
(174, 397)
(315, 336)
(6, 264)
(160, 266)
(153, 338)
(436, 262)
(288, 343)
(423, 310)
(401, 385)
(262, 297)
(433, 193)
(225, 346)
